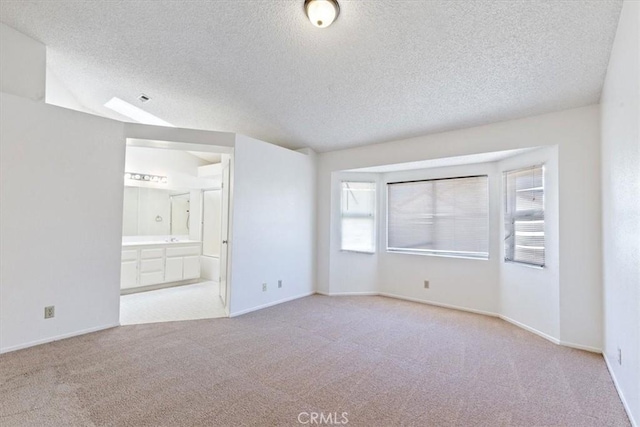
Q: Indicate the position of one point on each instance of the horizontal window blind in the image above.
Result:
(443, 216)
(357, 207)
(524, 216)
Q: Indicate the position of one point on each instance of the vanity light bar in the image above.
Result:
(146, 177)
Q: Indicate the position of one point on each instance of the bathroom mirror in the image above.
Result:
(155, 212)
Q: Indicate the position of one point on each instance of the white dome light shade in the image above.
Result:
(321, 13)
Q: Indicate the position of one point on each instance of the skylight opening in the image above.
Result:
(134, 113)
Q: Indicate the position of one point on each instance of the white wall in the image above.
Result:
(467, 283)
(529, 295)
(180, 138)
(60, 223)
(273, 219)
(621, 208)
(22, 64)
(58, 94)
(576, 133)
(210, 268)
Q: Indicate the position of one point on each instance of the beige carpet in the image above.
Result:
(382, 361)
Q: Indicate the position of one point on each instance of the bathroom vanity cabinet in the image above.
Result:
(155, 263)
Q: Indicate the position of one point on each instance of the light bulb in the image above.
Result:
(322, 13)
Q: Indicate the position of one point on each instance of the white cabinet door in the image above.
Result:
(173, 269)
(129, 274)
(191, 267)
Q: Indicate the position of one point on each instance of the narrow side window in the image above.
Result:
(358, 216)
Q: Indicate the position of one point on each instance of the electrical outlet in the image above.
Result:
(619, 356)
(264, 287)
(279, 283)
(49, 311)
(426, 284)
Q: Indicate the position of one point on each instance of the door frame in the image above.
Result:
(178, 139)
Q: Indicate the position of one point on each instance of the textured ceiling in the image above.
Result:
(384, 70)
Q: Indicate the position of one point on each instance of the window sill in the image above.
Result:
(358, 252)
(439, 255)
(524, 264)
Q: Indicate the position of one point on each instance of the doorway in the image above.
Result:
(175, 234)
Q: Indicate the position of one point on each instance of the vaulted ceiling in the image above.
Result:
(384, 70)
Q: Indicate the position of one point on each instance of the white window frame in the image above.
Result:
(482, 256)
(530, 216)
(373, 216)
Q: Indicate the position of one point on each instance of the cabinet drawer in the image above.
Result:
(130, 255)
(151, 278)
(152, 253)
(184, 251)
(152, 265)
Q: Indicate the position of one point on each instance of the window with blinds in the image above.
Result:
(524, 215)
(358, 219)
(439, 217)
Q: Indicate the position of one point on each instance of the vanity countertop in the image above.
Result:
(160, 243)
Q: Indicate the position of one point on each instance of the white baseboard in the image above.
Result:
(530, 329)
(57, 338)
(438, 304)
(260, 307)
(582, 347)
(348, 294)
(619, 390)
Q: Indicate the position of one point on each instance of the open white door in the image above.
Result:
(224, 233)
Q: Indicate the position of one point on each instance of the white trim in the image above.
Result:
(270, 304)
(347, 294)
(619, 390)
(140, 289)
(530, 329)
(582, 347)
(438, 304)
(58, 337)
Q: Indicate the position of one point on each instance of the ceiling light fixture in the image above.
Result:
(145, 177)
(322, 13)
(135, 113)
